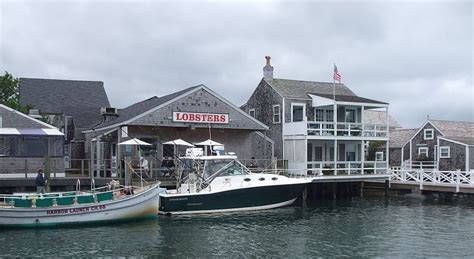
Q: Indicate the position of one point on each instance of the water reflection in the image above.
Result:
(404, 226)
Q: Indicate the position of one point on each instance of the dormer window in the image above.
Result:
(428, 134)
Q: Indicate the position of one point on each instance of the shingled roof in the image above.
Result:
(80, 99)
(399, 137)
(300, 89)
(454, 128)
(136, 109)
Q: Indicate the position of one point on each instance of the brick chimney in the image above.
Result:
(268, 69)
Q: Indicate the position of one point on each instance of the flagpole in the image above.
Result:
(334, 118)
(334, 87)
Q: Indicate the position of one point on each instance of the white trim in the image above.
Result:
(423, 148)
(373, 105)
(441, 152)
(200, 87)
(26, 116)
(421, 128)
(279, 114)
(467, 159)
(268, 83)
(264, 207)
(379, 153)
(304, 110)
(453, 141)
(426, 131)
(254, 112)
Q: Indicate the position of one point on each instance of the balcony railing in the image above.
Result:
(345, 129)
(346, 167)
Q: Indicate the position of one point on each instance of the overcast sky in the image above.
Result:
(416, 56)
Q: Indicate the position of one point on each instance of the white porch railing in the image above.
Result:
(315, 128)
(455, 179)
(346, 167)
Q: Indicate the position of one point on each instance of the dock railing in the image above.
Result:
(458, 179)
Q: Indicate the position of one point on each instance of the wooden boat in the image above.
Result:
(52, 209)
(221, 183)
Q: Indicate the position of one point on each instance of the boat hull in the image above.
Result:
(141, 205)
(242, 199)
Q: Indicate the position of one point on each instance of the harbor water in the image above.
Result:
(402, 226)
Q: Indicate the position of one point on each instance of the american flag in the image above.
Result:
(336, 76)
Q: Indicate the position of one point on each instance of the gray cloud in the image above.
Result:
(417, 56)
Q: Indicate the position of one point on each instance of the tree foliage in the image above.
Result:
(373, 148)
(10, 92)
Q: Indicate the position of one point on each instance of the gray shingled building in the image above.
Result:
(194, 114)
(310, 135)
(70, 105)
(438, 144)
(26, 144)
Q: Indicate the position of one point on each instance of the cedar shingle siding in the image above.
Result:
(457, 160)
(262, 100)
(419, 141)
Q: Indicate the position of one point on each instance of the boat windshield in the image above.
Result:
(226, 167)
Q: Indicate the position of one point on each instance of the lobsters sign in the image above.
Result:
(200, 117)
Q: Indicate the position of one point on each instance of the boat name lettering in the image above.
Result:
(195, 204)
(179, 199)
(75, 210)
(200, 117)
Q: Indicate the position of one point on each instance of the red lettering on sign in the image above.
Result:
(200, 117)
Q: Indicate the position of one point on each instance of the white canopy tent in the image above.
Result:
(208, 142)
(136, 142)
(178, 142)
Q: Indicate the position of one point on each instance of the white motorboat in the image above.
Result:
(210, 184)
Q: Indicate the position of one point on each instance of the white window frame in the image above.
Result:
(345, 115)
(377, 154)
(448, 148)
(276, 114)
(252, 111)
(423, 148)
(304, 110)
(432, 134)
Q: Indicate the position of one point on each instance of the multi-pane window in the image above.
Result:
(429, 134)
(276, 114)
(444, 152)
(329, 115)
(319, 114)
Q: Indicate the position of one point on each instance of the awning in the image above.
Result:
(31, 131)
